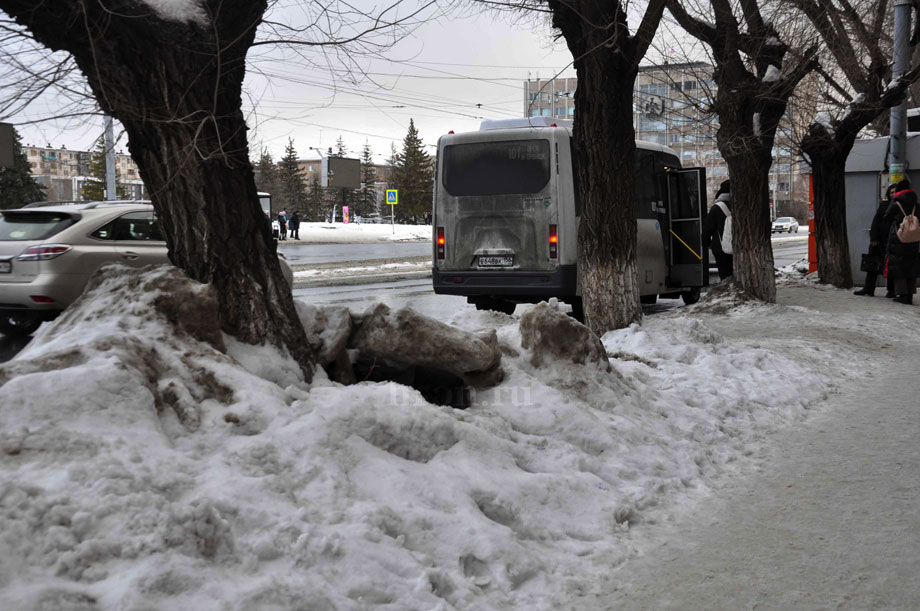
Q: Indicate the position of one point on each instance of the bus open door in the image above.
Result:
(688, 261)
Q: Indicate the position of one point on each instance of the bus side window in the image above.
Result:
(646, 187)
(575, 179)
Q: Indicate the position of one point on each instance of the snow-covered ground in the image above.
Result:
(141, 467)
(359, 233)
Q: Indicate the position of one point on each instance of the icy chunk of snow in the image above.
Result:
(179, 10)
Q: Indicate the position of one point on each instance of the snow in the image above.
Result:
(179, 10)
(360, 233)
(772, 74)
(149, 464)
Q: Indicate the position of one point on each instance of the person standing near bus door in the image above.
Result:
(878, 242)
(714, 228)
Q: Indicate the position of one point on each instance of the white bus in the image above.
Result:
(506, 216)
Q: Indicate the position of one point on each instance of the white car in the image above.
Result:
(49, 252)
(785, 224)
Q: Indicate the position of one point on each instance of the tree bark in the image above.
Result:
(176, 87)
(604, 156)
(828, 155)
(748, 156)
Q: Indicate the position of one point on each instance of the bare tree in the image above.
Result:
(606, 60)
(756, 73)
(858, 90)
(172, 74)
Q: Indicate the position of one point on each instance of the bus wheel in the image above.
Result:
(648, 299)
(690, 297)
(497, 305)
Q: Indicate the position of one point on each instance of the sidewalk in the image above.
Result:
(827, 517)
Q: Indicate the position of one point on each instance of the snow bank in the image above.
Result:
(279, 495)
(360, 233)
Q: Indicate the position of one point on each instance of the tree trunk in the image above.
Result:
(828, 156)
(748, 156)
(752, 251)
(604, 156)
(607, 235)
(176, 88)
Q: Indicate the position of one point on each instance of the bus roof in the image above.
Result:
(524, 122)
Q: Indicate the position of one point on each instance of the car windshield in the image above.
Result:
(785, 219)
(31, 226)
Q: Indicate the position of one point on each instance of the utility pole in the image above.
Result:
(110, 192)
(896, 150)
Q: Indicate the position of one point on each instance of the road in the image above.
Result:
(417, 294)
(413, 289)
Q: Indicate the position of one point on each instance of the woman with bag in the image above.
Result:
(903, 257)
(878, 244)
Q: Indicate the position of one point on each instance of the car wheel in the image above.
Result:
(690, 297)
(18, 325)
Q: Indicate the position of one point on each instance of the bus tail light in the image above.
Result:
(441, 242)
(553, 243)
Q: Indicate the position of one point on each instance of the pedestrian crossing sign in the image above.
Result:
(391, 196)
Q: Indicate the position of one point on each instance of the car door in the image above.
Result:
(137, 239)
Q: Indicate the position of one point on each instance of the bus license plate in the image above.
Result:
(6, 267)
(496, 261)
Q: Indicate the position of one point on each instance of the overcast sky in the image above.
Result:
(437, 76)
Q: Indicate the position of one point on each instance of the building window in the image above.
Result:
(571, 110)
(545, 112)
(783, 186)
(689, 85)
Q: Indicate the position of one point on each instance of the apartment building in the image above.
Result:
(64, 172)
(669, 108)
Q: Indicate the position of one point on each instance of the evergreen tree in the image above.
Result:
(413, 176)
(316, 210)
(267, 174)
(291, 188)
(368, 196)
(93, 190)
(17, 187)
(340, 150)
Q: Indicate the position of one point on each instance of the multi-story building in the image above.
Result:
(670, 108)
(64, 172)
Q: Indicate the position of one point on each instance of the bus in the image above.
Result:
(506, 214)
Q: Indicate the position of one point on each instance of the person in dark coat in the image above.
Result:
(878, 246)
(282, 225)
(903, 258)
(294, 225)
(713, 227)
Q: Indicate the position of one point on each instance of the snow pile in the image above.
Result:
(359, 233)
(272, 494)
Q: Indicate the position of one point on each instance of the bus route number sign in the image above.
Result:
(392, 196)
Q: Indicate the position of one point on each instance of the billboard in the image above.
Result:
(7, 150)
(341, 172)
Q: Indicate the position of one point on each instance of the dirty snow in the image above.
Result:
(355, 233)
(144, 467)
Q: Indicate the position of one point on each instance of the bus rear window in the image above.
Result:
(30, 225)
(496, 168)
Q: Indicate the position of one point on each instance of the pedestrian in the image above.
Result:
(903, 257)
(294, 225)
(878, 246)
(282, 225)
(714, 230)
